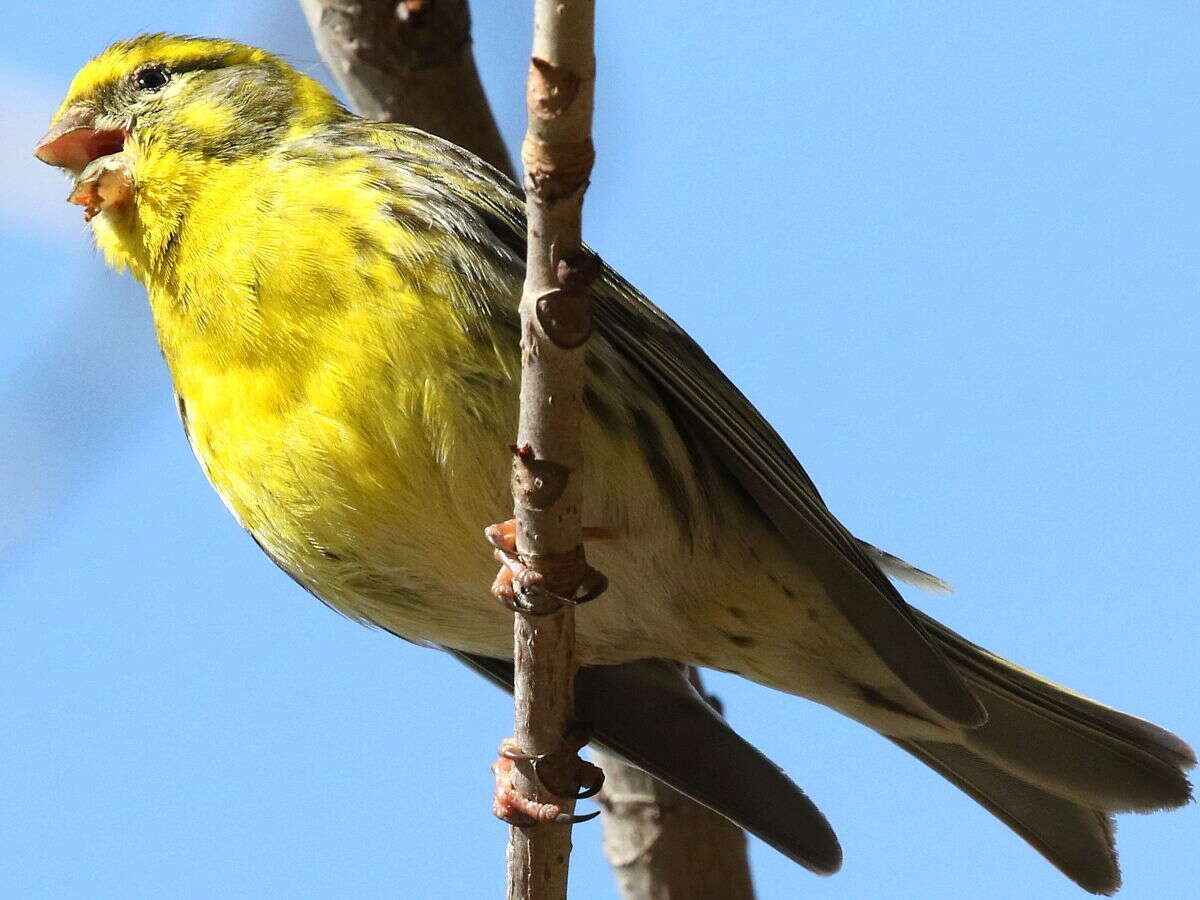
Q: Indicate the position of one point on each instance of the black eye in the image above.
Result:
(151, 78)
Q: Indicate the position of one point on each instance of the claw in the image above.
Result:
(590, 788)
(565, 819)
(588, 779)
(593, 585)
(515, 581)
(510, 749)
(513, 807)
(502, 587)
(519, 588)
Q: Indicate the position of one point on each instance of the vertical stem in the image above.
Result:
(555, 320)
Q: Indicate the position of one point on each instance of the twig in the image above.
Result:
(555, 322)
(409, 61)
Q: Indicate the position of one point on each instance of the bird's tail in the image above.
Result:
(1053, 765)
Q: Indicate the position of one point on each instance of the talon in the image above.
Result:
(593, 585)
(502, 587)
(510, 749)
(517, 587)
(587, 779)
(568, 819)
(590, 778)
(512, 807)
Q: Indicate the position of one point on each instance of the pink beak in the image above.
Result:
(73, 141)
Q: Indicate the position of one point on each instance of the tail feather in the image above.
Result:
(1070, 758)
(1076, 839)
(983, 666)
(1052, 764)
(1065, 743)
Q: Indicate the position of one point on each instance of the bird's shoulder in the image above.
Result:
(401, 158)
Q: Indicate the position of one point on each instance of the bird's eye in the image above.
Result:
(151, 78)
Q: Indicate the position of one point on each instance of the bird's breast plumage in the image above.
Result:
(342, 334)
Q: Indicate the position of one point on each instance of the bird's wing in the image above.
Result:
(696, 390)
(648, 713)
(481, 205)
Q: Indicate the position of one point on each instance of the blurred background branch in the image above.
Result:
(410, 61)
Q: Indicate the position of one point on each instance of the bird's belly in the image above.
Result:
(382, 518)
(374, 518)
(390, 532)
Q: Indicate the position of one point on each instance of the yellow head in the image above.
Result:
(200, 96)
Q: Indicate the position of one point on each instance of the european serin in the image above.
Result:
(336, 299)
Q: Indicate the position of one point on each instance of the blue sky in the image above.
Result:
(949, 250)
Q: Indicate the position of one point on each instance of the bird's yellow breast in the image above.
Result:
(344, 354)
(346, 413)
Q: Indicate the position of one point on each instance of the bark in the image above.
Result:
(409, 61)
(555, 321)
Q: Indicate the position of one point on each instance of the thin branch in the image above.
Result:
(409, 61)
(555, 323)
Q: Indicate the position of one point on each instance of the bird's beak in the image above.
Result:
(73, 141)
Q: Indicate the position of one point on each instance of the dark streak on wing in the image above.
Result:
(704, 466)
(671, 482)
(879, 701)
(504, 232)
(599, 408)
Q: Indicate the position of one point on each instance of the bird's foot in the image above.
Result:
(104, 183)
(552, 771)
(520, 589)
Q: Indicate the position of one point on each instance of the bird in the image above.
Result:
(336, 301)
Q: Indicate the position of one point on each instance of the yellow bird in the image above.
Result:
(336, 299)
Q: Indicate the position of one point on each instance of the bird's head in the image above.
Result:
(200, 96)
